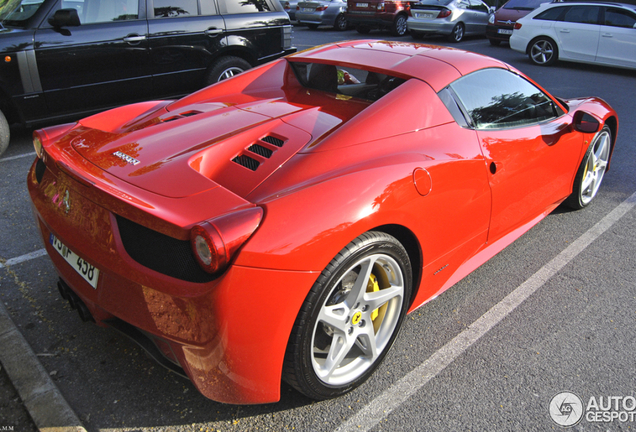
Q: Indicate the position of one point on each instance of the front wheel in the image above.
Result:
(226, 68)
(592, 170)
(457, 34)
(5, 133)
(350, 317)
(543, 52)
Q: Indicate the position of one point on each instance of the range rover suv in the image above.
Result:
(68, 58)
(365, 15)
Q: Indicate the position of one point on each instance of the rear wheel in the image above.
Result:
(591, 171)
(399, 26)
(543, 51)
(457, 34)
(225, 68)
(5, 133)
(350, 317)
(341, 23)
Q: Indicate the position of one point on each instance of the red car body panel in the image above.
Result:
(346, 166)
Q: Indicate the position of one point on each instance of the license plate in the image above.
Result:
(307, 9)
(424, 15)
(85, 270)
(362, 4)
(503, 31)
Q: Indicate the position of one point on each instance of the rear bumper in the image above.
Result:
(493, 32)
(431, 27)
(228, 335)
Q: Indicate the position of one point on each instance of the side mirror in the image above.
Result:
(586, 123)
(65, 18)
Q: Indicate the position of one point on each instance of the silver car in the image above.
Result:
(290, 8)
(322, 12)
(452, 18)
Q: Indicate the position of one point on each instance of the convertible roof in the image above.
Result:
(436, 65)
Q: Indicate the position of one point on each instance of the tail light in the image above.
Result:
(321, 8)
(216, 241)
(380, 6)
(43, 137)
(444, 13)
(517, 26)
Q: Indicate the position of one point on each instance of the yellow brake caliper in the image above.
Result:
(373, 286)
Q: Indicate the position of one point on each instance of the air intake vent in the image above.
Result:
(260, 150)
(273, 140)
(246, 161)
(190, 113)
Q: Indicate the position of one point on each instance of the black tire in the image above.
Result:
(341, 23)
(5, 133)
(457, 34)
(494, 42)
(363, 29)
(399, 26)
(226, 67)
(312, 26)
(365, 322)
(543, 51)
(591, 171)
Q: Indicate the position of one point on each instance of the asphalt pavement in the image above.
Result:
(551, 315)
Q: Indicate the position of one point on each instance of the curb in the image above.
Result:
(41, 397)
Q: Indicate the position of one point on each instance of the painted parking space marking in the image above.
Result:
(17, 157)
(401, 391)
(27, 257)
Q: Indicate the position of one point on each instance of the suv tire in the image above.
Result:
(5, 133)
(399, 26)
(226, 67)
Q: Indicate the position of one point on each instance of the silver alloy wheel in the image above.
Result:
(595, 166)
(400, 26)
(457, 34)
(358, 319)
(542, 52)
(230, 72)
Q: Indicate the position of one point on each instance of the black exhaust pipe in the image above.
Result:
(73, 299)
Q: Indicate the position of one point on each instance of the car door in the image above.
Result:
(479, 13)
(617, 42)
(578, 33)
(184, 37)
(100, 63)
(524, 136)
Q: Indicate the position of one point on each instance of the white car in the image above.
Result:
(603, 33)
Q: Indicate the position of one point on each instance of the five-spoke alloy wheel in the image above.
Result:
(350, 318)
(543, 52)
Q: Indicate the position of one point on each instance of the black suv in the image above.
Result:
(69, 58)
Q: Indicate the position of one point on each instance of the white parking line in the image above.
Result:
(27, 257)
(392, 398)
(17, 157)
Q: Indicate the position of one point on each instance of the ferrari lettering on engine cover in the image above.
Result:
(129, 159)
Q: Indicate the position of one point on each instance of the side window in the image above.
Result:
(498, 98)
(619, 18)
(98, 11)
(479, 6)
(582, 14)
(552, 14)
(175, 8)
(244, 6)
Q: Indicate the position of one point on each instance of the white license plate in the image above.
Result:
(85, 270)
(503, 31)
(424, 15)
(307, 9)
(362, 4)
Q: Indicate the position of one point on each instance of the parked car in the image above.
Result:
(602, 33)
(369, 14)
(290, 8)
(322, 12)
(451, 18)
(500, 24)
(65, 58)
(306, 206)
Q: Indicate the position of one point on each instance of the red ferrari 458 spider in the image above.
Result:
(279, 225)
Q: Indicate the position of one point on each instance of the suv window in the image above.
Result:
(16, 12)
(497, 98)
(244, 6)
(552, 14)
(175, 8)
(96, 11)
(619, 18)
(524, 4)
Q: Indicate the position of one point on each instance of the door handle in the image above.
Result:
(565, 31)
(134, 39)
(609, 35)
(213, 31)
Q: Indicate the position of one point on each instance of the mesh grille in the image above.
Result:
(160, 252)
(247, 162)
(260, 150)
(273, 140)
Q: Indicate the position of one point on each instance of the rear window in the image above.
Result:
(345, 81)
(524, 4)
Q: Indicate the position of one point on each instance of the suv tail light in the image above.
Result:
(215, 242)
(444, 13)
(381, 6)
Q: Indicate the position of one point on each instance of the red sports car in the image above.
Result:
(279, 225)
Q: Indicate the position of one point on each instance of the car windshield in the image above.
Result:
(524, 4)
(17, 12)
